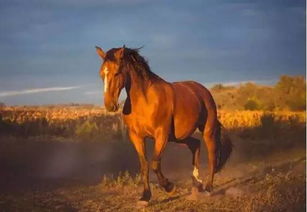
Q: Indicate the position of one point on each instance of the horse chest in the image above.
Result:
(145, 115)
(139, 124)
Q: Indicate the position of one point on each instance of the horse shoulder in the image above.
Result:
(151, 112)
(160, 105)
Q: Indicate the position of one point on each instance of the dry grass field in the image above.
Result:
(79, 159)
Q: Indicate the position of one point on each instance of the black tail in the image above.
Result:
(224, 148)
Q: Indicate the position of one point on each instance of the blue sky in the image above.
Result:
(47, 52)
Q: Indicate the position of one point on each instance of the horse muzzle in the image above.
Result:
(112, 107)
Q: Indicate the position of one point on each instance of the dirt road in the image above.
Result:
(274, 182)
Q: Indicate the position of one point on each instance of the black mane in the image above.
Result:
(110, 55)
(133, 60)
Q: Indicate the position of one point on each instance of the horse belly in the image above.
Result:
(187, 110)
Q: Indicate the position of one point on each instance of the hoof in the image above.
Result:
(197, 195)
(142, 204)
(209, 188)
(200, 188)
(207, 193)
(197, 184)
(170, 188)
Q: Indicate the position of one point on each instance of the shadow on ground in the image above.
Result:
(41, 174)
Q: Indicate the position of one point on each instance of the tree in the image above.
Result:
(252, 104)
(217, 87)
(291, 92)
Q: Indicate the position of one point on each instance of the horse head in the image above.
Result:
(113, 76)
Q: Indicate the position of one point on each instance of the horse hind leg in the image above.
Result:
(210, 139)
(194, 146)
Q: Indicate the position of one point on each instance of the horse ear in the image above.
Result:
(100, 52)
(120, 53)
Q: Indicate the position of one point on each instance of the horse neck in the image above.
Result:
(137, 87)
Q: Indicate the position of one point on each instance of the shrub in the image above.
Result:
(252, 104)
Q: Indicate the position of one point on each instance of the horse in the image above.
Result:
(165, 112)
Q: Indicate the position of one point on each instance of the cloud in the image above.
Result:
(36, 90)
(92, 93)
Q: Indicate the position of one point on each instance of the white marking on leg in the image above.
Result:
(105, 71)
(196, 174)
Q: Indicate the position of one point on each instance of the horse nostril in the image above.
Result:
(112, 107)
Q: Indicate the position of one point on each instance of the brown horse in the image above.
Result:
(163, 111)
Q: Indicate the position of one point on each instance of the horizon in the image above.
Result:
(48, 48)
(268, 83)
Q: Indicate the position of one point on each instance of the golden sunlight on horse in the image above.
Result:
(164, 111)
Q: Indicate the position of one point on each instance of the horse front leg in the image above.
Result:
(139, 145)
(160, 143)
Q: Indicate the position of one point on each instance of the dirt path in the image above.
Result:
(274, 183)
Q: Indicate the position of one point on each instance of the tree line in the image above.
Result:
(289, 93)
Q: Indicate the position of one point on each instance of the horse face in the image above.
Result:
(112, 76)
